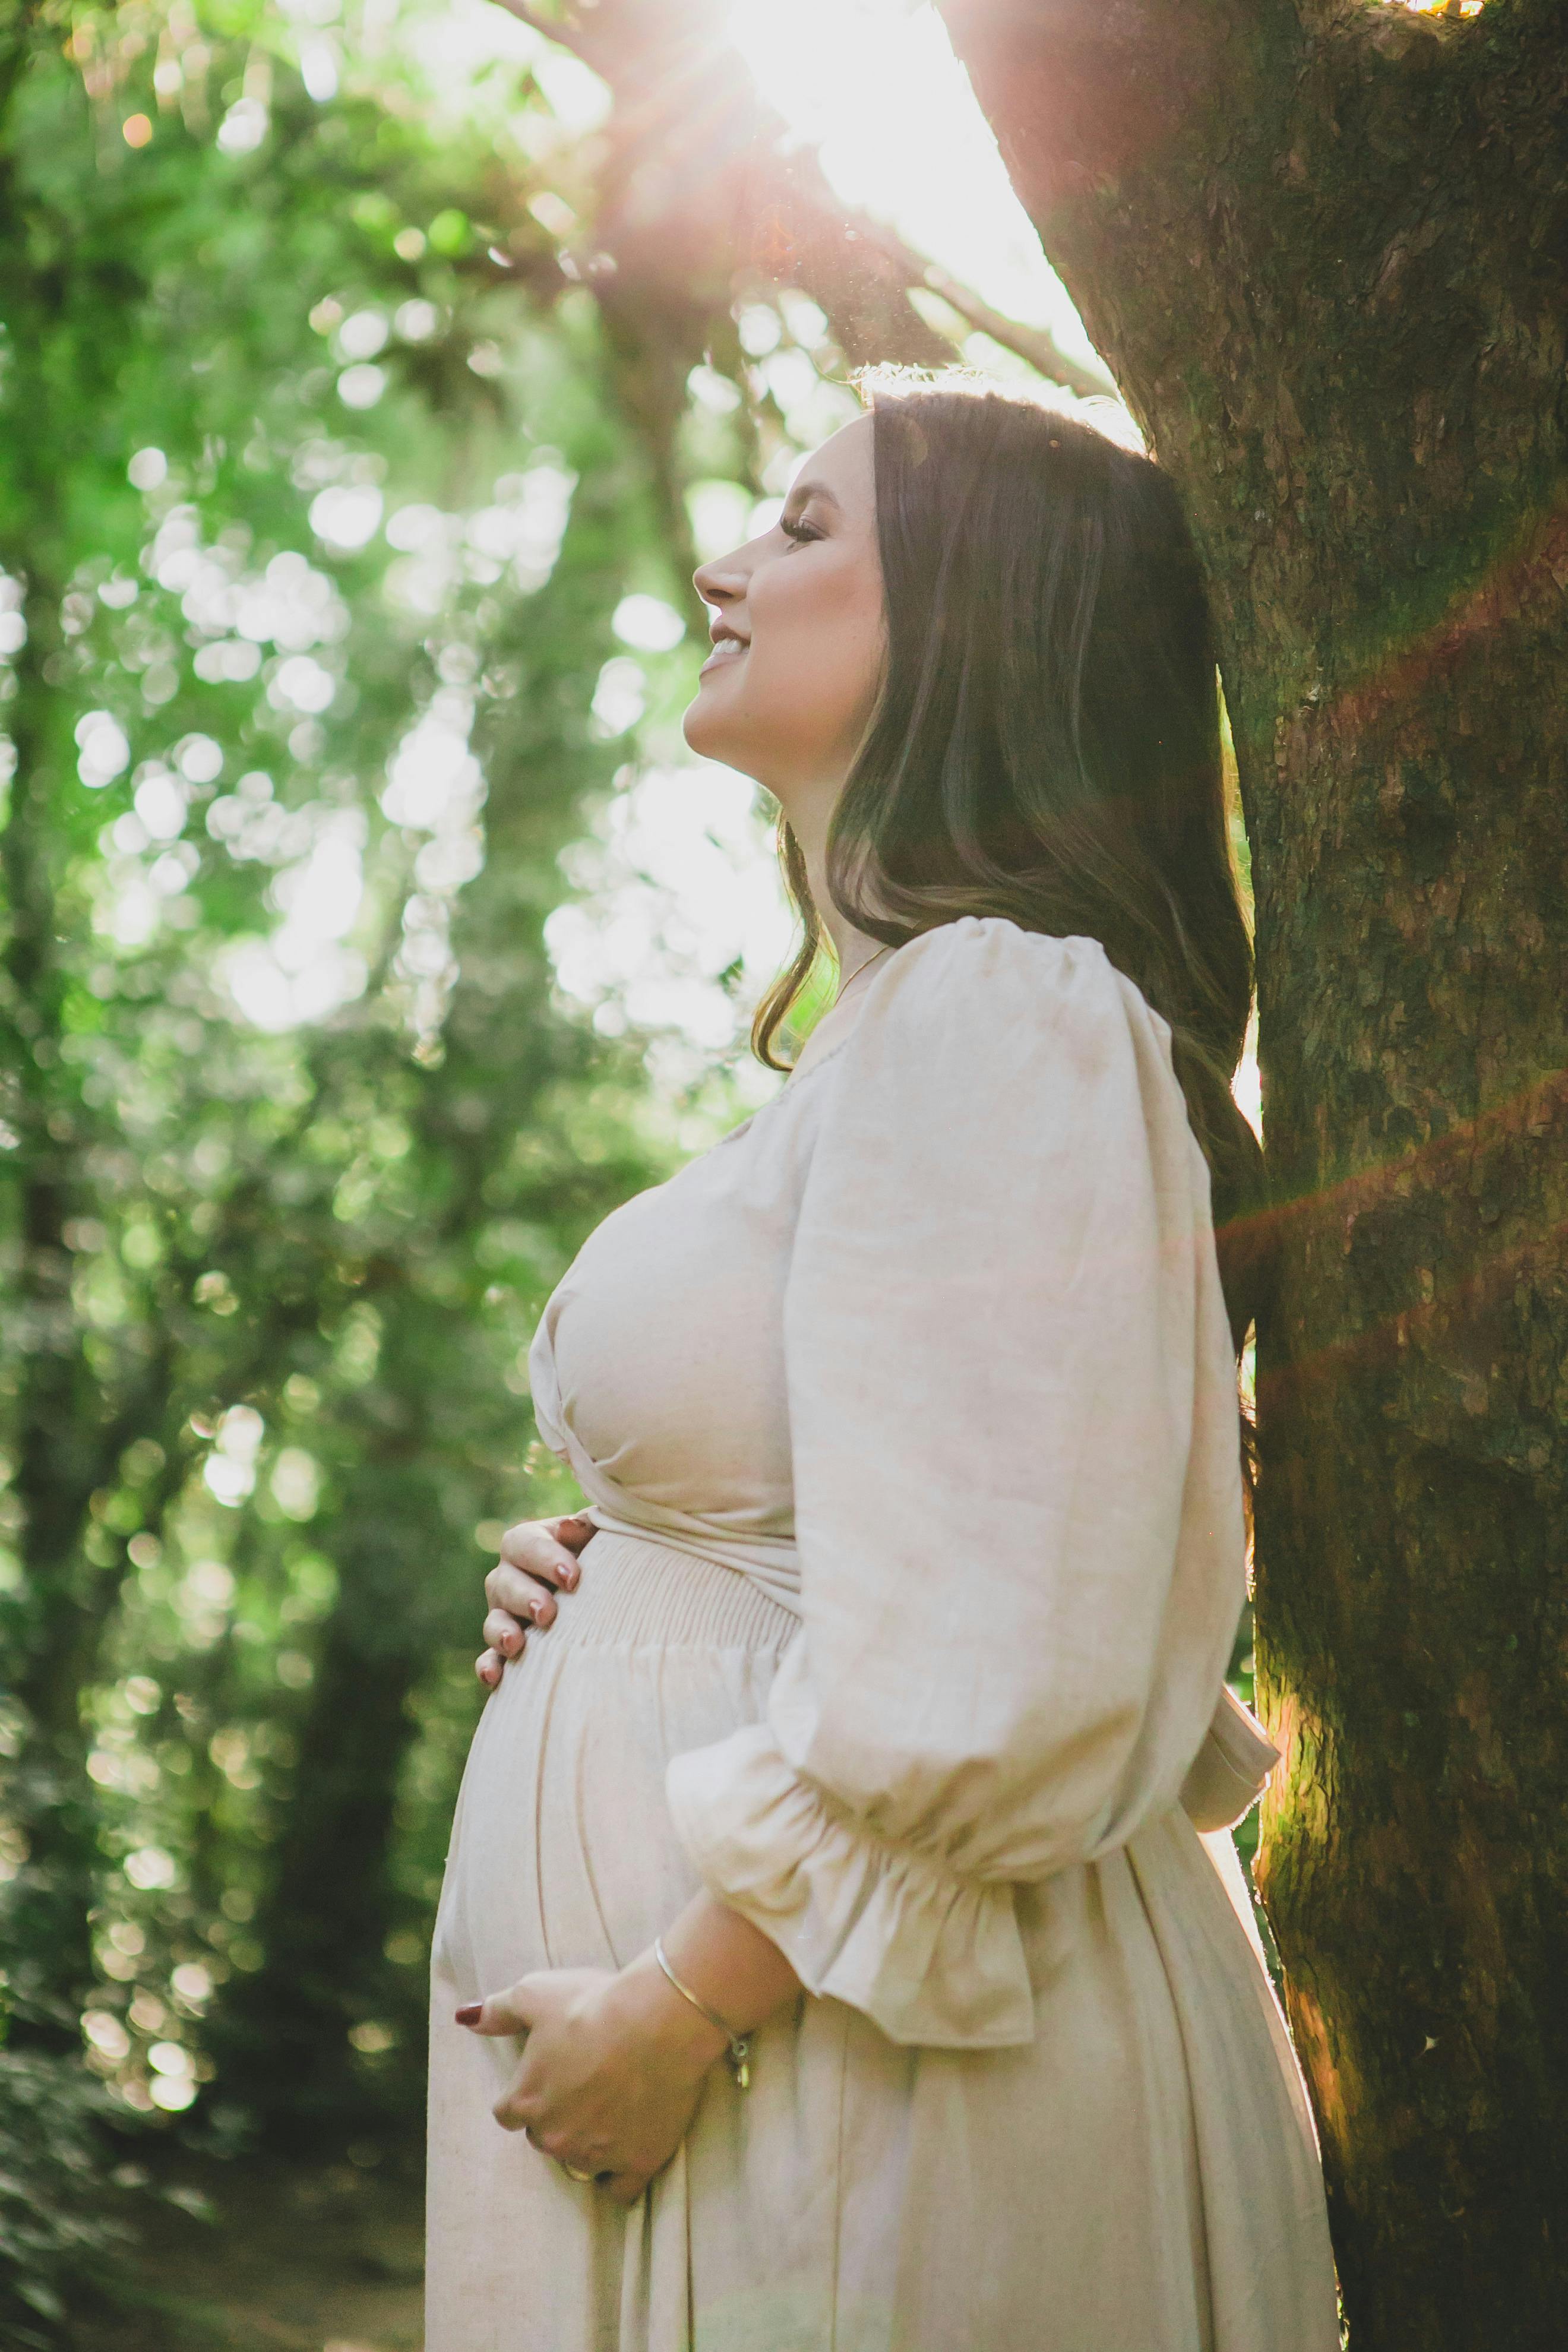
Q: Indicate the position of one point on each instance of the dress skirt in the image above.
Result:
(1140, 2177)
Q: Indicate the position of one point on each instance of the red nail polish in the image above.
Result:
(470, 2012)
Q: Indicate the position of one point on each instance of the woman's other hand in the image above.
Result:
(538, 1560)
(612, 2069)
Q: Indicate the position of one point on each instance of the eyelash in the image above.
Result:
(799, 531)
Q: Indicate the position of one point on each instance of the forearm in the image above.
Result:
(731, 1967)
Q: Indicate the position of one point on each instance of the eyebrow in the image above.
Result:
(804, 491)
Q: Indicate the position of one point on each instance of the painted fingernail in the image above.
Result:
(470, 2012)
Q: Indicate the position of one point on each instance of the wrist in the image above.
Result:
(652, 2007)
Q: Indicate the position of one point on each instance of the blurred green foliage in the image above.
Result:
(315, 517)
(358, 424)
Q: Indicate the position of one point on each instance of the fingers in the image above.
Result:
(539, 1551)
(511, 2011)
(506, 1635)
(582, 2166)
(538, 1560)
(626, 2188)
(512, 2114)
(576, 2160)
(512, 1594)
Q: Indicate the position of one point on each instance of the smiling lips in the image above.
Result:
(728, 645)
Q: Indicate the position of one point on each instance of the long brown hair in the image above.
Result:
(1045, 745)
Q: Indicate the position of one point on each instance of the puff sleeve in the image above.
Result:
(1017, 1488)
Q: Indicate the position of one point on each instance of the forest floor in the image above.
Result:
(271, 2258)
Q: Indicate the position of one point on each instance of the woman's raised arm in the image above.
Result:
(1017, 1486)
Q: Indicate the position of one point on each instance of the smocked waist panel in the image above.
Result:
(639, 1592)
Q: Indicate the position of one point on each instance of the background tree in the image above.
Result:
(1321, 247)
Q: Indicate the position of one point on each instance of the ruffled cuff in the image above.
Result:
(929, 1958)
(1231, 1768)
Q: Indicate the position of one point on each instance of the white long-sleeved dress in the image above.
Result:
(908, 1418)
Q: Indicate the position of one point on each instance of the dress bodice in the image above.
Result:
(657, 1370)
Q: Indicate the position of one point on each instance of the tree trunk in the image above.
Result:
(1321, 247)
(283, 2034)
(59, 1439)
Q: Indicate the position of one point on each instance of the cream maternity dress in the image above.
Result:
(908, 1418)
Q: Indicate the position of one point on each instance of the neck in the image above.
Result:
(851, 947)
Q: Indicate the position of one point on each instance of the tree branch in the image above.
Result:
(566, 36)
(1038, 345)
(857, 268)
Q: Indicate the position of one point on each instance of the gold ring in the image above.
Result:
(573, 2174)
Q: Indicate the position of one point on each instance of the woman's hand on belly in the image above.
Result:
(538, 1560)
(612, 2068)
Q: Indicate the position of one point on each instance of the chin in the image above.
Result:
(706, 733)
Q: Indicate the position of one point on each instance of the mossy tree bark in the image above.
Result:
(1322, 247)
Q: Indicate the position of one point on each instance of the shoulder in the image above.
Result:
(993, 1067)
(982, 985)
(981, 949)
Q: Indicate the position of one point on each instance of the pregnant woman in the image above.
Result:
(828, 1921)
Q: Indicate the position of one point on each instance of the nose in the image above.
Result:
(721, 583)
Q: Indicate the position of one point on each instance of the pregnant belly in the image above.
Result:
(564, 1854)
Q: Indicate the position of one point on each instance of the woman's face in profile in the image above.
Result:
(787, 690)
